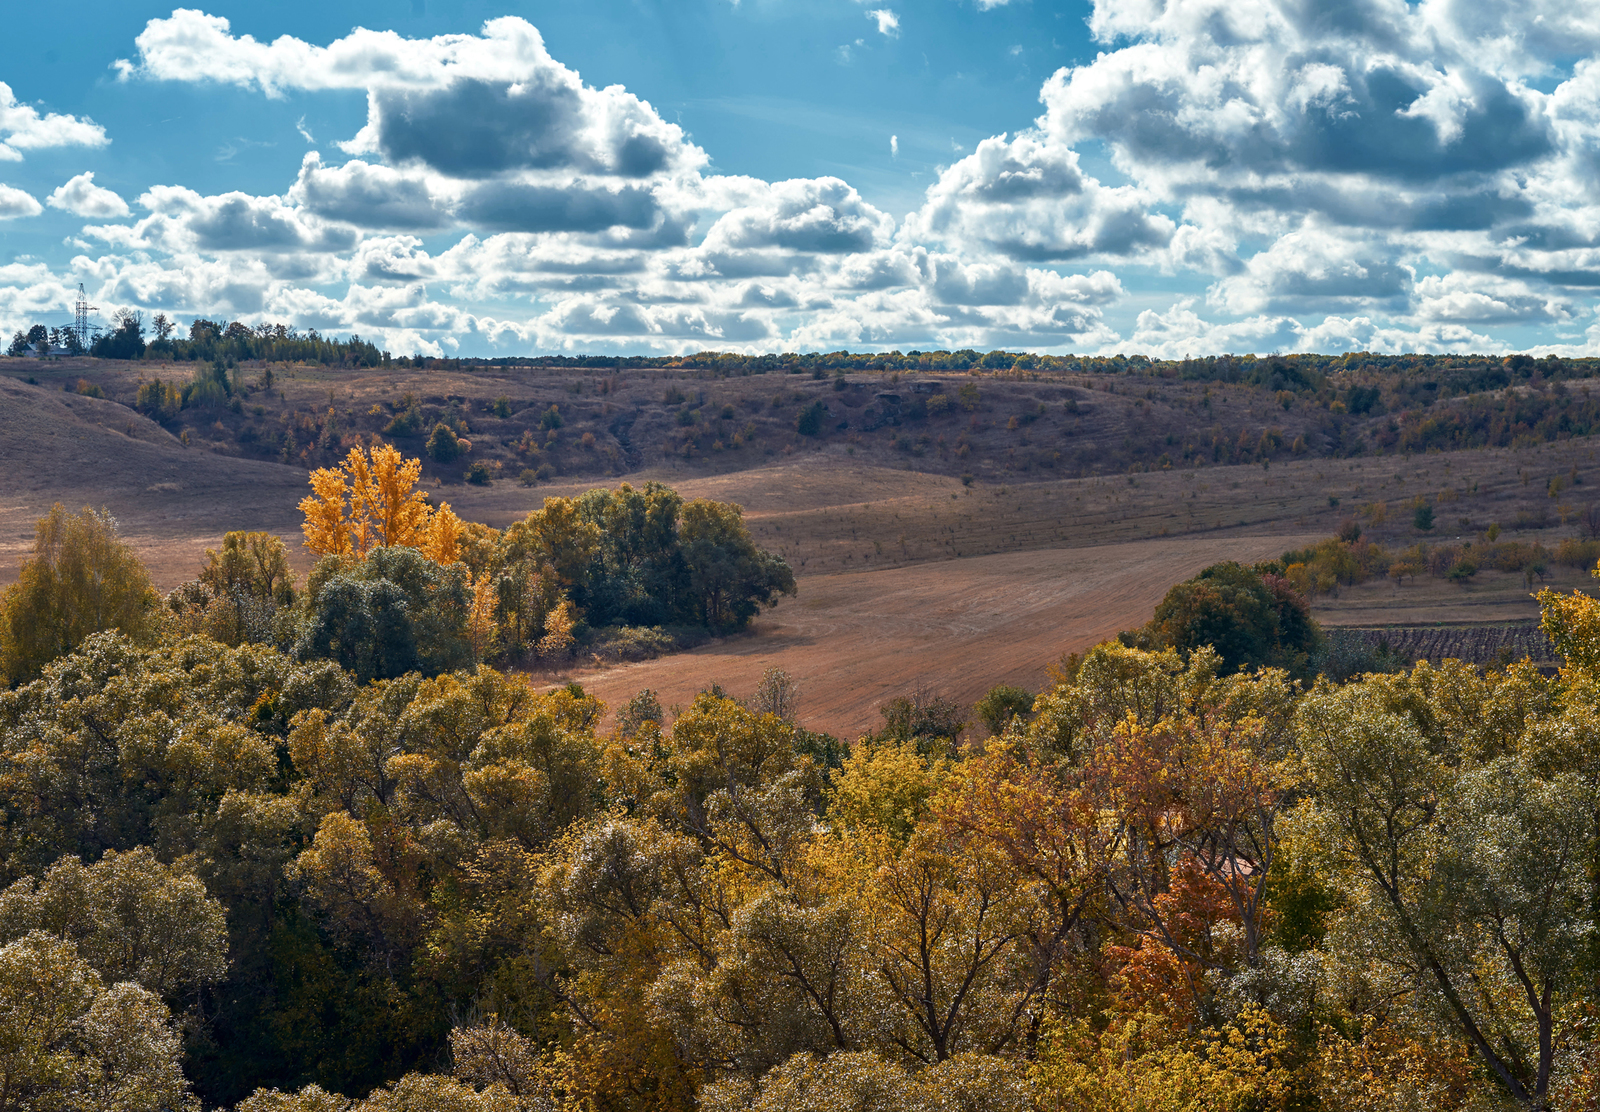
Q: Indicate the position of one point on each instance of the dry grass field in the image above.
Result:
(908, 574)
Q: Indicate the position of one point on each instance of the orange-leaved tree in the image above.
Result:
(369, 501)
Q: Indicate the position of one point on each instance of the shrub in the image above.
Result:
(407, 421)
(1001, 704)
(479, 474)
(1422, 518)
(528, 477)
(551, 418)
(1574, 553)
(809, 423)
(443, 444)
(501, 407)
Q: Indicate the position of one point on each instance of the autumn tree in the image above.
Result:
(81, 578)
(1456, 819)
(368, 502)
(67, 1041)
(239, 591)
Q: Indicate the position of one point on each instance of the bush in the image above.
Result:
(528, 477)
(443, 444)
(479, 474)
(1422, 519)
(809, 423)
(407, 421)
(551, 419)
(1003, 703)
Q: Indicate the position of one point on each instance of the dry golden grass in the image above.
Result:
(906, 576)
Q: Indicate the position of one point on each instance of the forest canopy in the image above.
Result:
(292, 847)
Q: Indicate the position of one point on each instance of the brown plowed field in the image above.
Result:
(905, 576)
(856, 639)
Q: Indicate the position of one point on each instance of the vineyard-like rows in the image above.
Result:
(1477, 644)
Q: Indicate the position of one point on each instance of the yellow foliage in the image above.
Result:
(886, 787)
(1138, 1064)
(481, 628)
(441, 545)
(1388, 1069)
(382, 496)
(327, 524)
(369, 501)
(558, 627)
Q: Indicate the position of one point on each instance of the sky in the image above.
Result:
(1161, 177)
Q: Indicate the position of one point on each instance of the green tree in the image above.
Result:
(125, 341)
(809, 423)
(1252, 620)
(130, 917)
(1001, 703)
(443, 444)
(1422, 517)
(67, 1042)
(392, 613)
(1455, 817)
(730, 579)
(82, 578)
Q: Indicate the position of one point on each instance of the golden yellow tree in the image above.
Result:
(369, 500)
(382, 496)
(327, 524)
(441, 544)
(482, 629)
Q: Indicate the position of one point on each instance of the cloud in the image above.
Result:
(82, 197)
(183, 220)
(464, 105)
(1279, 175)
(15, 202)
(369, 196)
(22, 128)
(815, 215)
(1317, 269)
(1027, 198)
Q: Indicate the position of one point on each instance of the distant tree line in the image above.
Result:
(208, 341)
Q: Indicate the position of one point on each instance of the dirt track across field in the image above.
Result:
(856, 639)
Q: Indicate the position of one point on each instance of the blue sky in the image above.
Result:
(1164, 176)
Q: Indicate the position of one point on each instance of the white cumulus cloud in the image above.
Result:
(16, 202)
(82, 197)
(23, 128)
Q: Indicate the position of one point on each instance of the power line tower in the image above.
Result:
(81, 311)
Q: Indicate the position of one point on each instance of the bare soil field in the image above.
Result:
(856, 639)
(909, 572)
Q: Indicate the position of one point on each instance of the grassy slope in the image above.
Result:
(906, 573)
